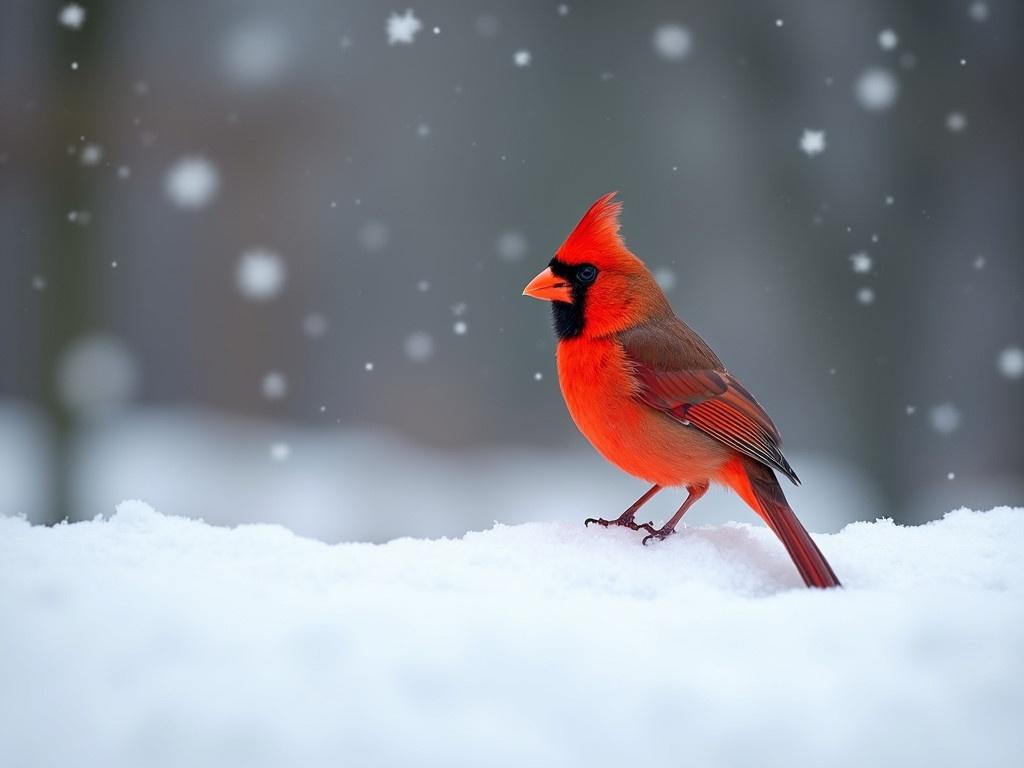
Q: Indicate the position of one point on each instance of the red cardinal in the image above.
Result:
(652, 397)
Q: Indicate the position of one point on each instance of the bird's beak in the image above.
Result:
(547, 286)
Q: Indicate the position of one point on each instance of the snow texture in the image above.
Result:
(153, 640)
(402, 29)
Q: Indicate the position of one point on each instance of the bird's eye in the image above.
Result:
(587, 274)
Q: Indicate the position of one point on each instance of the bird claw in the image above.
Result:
(625, 522)
(660, 535)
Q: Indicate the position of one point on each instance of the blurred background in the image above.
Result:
(262, 261)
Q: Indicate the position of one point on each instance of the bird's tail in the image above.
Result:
(757, 485)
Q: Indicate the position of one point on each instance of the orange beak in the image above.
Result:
(547, 286)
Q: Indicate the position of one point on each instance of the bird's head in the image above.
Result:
(596, 286)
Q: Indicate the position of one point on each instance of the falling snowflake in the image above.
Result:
(861, 262)
(280, 451)
(665, 278)
(812, 142)
(423, 130)
(1011, 362)
(192, 182)
(876, 89)
(522, 58)
(888, 39)
(672, 42)
(419, 346)
(257, 52)
(402, 29)
(945, 418)
(274, 385)
(978, 11)
(260, 274)
(38, 283)
(72, 16)
(866, 296)
(460, 328)
(537, 376)
(511, 246)
(563, 9)
(956, 122)
(91, 154)
(368, 366)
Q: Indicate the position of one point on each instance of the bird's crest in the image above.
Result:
(597, 234)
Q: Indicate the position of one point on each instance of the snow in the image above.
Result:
(1011, 362)
(956, 122)
(812, 142)
(672, 42)
(876, 89)
(522, 58)
(945, 418)
(72, 16)
(888, 39)
(91, 155)
(665, 278)
(402, 29)
(192, 182)
(256, 52)
(978, 11)
(866, 295)
(260, 274)
(157, 640)
(861, 262)
(511, 246)
(274, 385)
(419, 346)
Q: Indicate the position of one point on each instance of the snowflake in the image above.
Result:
(402, 29)
(1011, 362)
(812, 142)
(877, 89)
(888, 39)
(945, 418)
(672, 42)
(192, 182)
(522, 58)
(866, 296)
(274, 385)
(72, 16)
(260, 274)
(956, 121)
(861, 262)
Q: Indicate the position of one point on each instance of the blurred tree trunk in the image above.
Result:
(70, 248)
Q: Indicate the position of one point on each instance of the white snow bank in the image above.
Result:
(151, 640)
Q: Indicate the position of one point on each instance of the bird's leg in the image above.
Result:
(696, 491)
(626, 518)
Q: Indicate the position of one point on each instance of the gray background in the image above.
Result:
(315, 125)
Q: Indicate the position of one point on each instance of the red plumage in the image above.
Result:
(651, 396)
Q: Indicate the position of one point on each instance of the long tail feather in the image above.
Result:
(758, 486)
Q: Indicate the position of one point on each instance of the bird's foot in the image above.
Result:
(626, 521)
(660, 535)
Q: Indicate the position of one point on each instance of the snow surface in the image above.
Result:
(153, 640)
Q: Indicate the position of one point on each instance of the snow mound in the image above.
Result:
(153, 640)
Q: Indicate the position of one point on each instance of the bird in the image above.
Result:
(652, 397)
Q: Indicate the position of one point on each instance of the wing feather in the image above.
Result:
(706, 398)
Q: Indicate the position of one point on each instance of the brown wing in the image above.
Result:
(680, 375)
